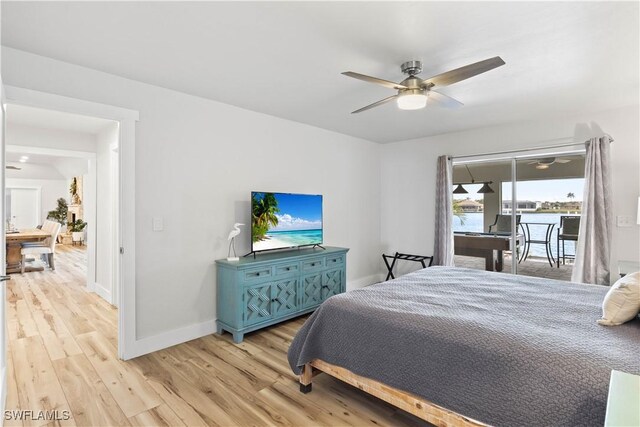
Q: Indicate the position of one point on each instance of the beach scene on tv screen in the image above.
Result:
(284, 220)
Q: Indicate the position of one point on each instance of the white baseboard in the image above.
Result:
(187, 333)
(365, 281)
(102, 292)
(171, 338)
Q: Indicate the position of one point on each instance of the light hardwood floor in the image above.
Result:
(62, 356)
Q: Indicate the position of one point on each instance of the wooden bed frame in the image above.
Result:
(406, 401)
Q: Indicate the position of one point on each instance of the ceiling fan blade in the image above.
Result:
(13, 167)
(563, 160)
(444, 100)
(375, 104)
(463, 73)
(535, 162)
(381, 82)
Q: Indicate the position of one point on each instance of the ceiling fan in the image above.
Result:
(13, 168)
(413, 91)
(548, 161)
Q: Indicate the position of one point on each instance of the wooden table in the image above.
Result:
(14, 244)
(485, 245)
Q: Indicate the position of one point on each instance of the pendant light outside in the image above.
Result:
(485, 189)
(460, 190)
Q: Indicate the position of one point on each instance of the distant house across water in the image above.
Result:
(522, 205)
(469, 205)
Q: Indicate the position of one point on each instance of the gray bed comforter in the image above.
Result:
(502, 349)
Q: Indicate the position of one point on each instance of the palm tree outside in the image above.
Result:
(458, 212)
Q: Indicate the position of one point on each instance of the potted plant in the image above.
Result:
(77, 230)
(59, 214)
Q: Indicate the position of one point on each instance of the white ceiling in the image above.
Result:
(15, 156)
(56, 120)
(285, 58)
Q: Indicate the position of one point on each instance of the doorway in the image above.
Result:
(129, 345)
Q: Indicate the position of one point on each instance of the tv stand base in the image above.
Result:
(319, 246)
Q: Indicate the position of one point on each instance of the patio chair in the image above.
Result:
(502, 225)
(569, 227)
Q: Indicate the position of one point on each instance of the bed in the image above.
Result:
(458, 346)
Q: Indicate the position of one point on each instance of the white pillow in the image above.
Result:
(622, 302)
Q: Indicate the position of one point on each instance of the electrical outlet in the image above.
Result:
(158, 224)
(624, 220)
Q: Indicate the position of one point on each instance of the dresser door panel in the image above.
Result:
(257, 304)
(331, 283)
(311, 290)
(285, 297)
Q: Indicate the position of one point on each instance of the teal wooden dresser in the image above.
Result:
(273, 287)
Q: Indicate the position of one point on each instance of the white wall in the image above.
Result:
(106, 141)
(196, 162)
(50, 189)
(407, 214)
(18, 134)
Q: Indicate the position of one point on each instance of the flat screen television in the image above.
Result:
(285, 220)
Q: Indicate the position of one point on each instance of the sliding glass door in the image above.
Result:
(520, 214)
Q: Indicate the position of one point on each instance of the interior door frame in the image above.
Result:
(129, 345)
(3, 257)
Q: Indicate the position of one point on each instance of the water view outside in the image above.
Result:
(473, 222)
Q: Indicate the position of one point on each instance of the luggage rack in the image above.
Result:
(404, 257)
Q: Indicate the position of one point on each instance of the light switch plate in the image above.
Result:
(624, 220)
(158, 223)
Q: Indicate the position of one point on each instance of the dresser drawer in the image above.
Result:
(255, 274)
(287, 269)
(312, 264)
(334, 261)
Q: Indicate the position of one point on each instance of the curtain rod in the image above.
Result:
(572, 144)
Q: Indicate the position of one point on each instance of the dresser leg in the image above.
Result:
(238, 337)
(218, 329)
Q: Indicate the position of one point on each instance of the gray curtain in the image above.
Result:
(443, 245)
(593, 248)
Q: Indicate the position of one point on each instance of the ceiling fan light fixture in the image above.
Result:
(542, 166)
(460, 190)
(412, 101)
